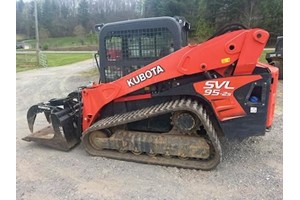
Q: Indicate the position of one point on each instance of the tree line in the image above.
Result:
(59, 18)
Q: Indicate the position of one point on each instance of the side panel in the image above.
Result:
(244, 111)
(220, 93)
(255, 120)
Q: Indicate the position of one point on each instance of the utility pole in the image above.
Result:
(37, 35)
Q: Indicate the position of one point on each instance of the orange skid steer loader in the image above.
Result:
(161, 101)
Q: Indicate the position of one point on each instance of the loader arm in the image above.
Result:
(239, 49)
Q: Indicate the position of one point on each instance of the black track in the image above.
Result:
(153, 111)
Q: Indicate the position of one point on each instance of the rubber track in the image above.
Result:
(167, 107)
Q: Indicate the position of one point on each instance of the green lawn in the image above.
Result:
(262, 57)
(65, 42)
(28, 61)
(55, 42)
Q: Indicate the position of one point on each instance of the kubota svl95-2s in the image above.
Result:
(161, 101)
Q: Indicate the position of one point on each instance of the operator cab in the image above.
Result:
(129, 45)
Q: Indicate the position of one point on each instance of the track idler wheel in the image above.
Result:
(94, 137)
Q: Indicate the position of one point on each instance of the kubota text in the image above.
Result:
(154, 71)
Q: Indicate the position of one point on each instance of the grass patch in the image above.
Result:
(28, 61)
(25, 62)
(262, 57)
(55, 59)
(64, 42)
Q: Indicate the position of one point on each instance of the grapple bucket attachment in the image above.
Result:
(64, 128)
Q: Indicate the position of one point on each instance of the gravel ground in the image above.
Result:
(251, 169)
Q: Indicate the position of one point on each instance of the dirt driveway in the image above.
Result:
(251, 169)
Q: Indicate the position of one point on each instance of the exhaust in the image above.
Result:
(64, 118)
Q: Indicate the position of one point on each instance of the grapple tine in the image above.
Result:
(47, 115)
(31, 115)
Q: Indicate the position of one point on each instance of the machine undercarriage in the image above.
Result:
(192, 143)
